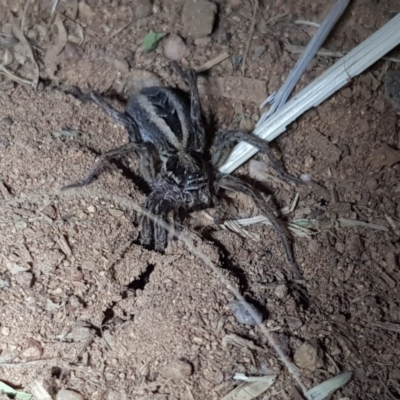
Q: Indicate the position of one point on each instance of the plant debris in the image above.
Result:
(18, 395)
(251, 388)
(151, 40)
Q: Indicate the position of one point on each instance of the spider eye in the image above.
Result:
(191, 177)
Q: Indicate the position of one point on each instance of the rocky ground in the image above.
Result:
(87, 313)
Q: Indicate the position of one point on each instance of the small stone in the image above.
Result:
(203, 42)
(258, 51)
(88, 265)
(5, 331)
(391, 262)
(198, 18)
(74, 302)
(392, 83)
(91, 209)
(175, 48)
(237, 60)
(25, 279)
(115, 213)
(242, 314)
(64, 394)
(372, 183)
(76, 275)
(7, 121)
(379, 105)
(281, 291)
(347, 93)
(340, 247)
(246, 125)
(79, 334)
(294, 323)
(177, 370)
(84, 10)
(142, 8)
(309, 162)
(309, 356)
(34, 350)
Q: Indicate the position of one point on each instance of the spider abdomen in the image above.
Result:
(163, 118)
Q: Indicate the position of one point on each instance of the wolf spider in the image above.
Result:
(168, 136)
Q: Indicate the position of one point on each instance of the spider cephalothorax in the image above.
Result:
(167, 134)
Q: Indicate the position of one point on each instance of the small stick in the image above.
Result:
(209, 64)
(253, 23)
(118, 31)
(15, 78)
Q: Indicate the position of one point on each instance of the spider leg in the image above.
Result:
(225, 141)
(115, 115)
(190, 76)
(155, 209)
(177, 218)
(235, 184)
(160, 233)
(104, 160)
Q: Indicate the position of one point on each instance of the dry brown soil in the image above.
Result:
(84, 307)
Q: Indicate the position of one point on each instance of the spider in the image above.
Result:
(168, 136)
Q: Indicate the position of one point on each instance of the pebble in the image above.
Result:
(346, 93)
(25, 279)
(294, 323)
(198, 18)
(33, 352)
(309, 356)
(237, 60)
(258, 51)
(281, 291)
(392, 83)
(246, 125)
(7, 121)
(243, 316)
(115, 213)
(88, 265)
(175, 48)
(142, 8)
(69, 395)
(177, 370)
(203, 42)
(5, 331)
(372, 183)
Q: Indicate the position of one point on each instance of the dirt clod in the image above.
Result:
(309, 356)
(198, 18)
(142, 8)
(177, 370)
(175, 48)
(65, 394)
(25, 279)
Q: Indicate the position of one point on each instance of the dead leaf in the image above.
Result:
(85, 10)
(385, 156)
(40, 392)
(53, 52)
(7, 41)
(251, 389)
(17, 32)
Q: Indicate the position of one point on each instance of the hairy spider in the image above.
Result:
(168, 137)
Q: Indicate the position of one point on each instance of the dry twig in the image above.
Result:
(253, 23)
